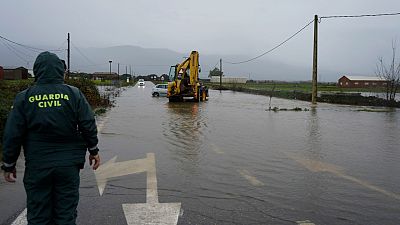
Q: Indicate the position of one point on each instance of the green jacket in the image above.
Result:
(51, 120)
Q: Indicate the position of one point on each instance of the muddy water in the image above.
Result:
(228, 161)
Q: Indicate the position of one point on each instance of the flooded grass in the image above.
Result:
(376, 110)
(329, 93)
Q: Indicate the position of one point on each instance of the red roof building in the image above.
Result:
(361, 82)
(1, 73)
(19, 73)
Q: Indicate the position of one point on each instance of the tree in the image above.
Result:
(215, 73)
(391, 73)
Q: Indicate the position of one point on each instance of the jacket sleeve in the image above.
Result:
(86, 122)
(14, 131)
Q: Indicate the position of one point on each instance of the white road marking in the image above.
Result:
(116, 169)
(318, 166)
(21, 219)
(305, 222)
(216, 149)
(253, 180)
(152, 191)
(152, 212)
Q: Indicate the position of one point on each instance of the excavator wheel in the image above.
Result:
(203, 96)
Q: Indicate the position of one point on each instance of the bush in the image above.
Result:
(91, 92)
(9, 89)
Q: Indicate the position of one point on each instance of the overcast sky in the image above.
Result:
(219, 27)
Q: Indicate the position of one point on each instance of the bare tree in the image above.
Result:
(390, 73)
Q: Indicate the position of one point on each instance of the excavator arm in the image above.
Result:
(185, 81)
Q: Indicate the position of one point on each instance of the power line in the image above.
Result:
(362, 15)
(151, 65)
(17, 50)
(15, 53)
(216, 64)
(84, 56)
(30, 47)
(91, 65)
(272, 49)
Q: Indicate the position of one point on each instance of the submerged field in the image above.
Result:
(295, 86)
(327, 92)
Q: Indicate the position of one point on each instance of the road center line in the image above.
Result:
(216, 149)
(306, 222)
(253, 180)
(21, 219)
(318, 166)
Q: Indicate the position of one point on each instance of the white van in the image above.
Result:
(141, 82)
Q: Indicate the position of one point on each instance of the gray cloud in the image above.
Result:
(222, 27)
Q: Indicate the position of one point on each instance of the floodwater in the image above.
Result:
(229, 161)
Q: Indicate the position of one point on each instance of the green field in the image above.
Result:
(300, 87)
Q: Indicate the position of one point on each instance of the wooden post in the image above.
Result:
(68, 57)
(315, 65)
(220, 74)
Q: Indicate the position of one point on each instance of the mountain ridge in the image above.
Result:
(143, 61)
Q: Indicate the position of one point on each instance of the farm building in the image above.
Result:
(164, 78)
(230, 80)
(105, 76)
(152, 77)
(1, 73)
(19, 73)
(361, 82)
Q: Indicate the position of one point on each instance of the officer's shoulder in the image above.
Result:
(21, 95)
(74, 89)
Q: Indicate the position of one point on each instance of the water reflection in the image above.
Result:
(339, 168)
(313, 150)
(183, 130)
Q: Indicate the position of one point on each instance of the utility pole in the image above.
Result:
(130, 70)
(118, 69)
(315, 65)
(220, 74)
(68, 56)
(126, 69)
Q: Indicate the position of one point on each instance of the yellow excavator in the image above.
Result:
(184, 82)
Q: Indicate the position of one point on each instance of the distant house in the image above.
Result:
(152, 77)
(104, 76)
(126, 77)
(164, 78)
(142, 77)
(19, 73)
(1, 73)
(361, 82)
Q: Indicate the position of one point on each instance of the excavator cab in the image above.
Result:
(172, 73)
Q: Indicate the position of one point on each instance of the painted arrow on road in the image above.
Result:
(152, 212)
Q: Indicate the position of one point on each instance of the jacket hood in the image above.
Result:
(48, 69)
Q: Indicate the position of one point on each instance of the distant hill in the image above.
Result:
(145, 61)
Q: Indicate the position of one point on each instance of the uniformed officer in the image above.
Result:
(55, 125)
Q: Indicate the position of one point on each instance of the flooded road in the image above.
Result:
(228, 161)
